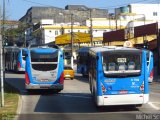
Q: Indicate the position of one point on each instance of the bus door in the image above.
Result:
(123, 73)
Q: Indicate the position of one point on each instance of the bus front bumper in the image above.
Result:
(46, 86)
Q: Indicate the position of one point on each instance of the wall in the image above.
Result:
(147, 10)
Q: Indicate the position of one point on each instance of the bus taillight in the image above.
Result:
(103, 89)
(151, 76)
(27, 81)
(61, 80)
(18, 64)
(142, 87)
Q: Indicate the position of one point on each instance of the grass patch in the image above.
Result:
(11, 97)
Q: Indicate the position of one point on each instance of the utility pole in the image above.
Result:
(72, 37)
(91, 27)
(2, 57)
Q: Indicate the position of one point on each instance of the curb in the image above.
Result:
(18, 108)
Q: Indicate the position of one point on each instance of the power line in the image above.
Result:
(109, 7)
(120, 5)
(37, 3)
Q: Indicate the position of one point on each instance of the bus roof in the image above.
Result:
(84, 49)
(45, 46)
(13, 48)
(110, 48)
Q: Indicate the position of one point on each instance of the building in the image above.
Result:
(94, 19)
(139, 12)
(46, 33)
(59, 15)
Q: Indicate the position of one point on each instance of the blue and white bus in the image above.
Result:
(83, 60)
(119, 75)
(44, 68)
(14, 58)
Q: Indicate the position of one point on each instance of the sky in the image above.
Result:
(15, 9)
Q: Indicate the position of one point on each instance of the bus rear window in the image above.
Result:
(44, 61)
(122, 63)
(41, 57)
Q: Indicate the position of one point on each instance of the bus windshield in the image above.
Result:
(121, 63)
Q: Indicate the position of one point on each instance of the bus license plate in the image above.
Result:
(123, 92)
(45, 86)
(44, 80)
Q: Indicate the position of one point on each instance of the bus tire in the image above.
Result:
(29, 91)
(56, 91)
(82, 71)
(94, 96)
(90, 85)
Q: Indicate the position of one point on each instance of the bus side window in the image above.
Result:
(147, 55)
(25, 55)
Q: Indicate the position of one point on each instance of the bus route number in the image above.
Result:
(121, 60)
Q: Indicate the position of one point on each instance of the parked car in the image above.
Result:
(68, 72)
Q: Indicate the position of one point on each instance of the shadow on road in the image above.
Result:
(74, 103)
(17, 83)
(50, 102)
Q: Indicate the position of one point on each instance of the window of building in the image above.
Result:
(56, 32)
(154, 13)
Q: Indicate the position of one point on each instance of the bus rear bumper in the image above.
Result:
(128, 99)
(46, 86)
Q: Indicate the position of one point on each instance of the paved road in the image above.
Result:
(75, 103)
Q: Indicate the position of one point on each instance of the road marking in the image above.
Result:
(153, 106)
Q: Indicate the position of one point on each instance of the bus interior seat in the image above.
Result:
(131, 66)
(111, 66)
(121, 66)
